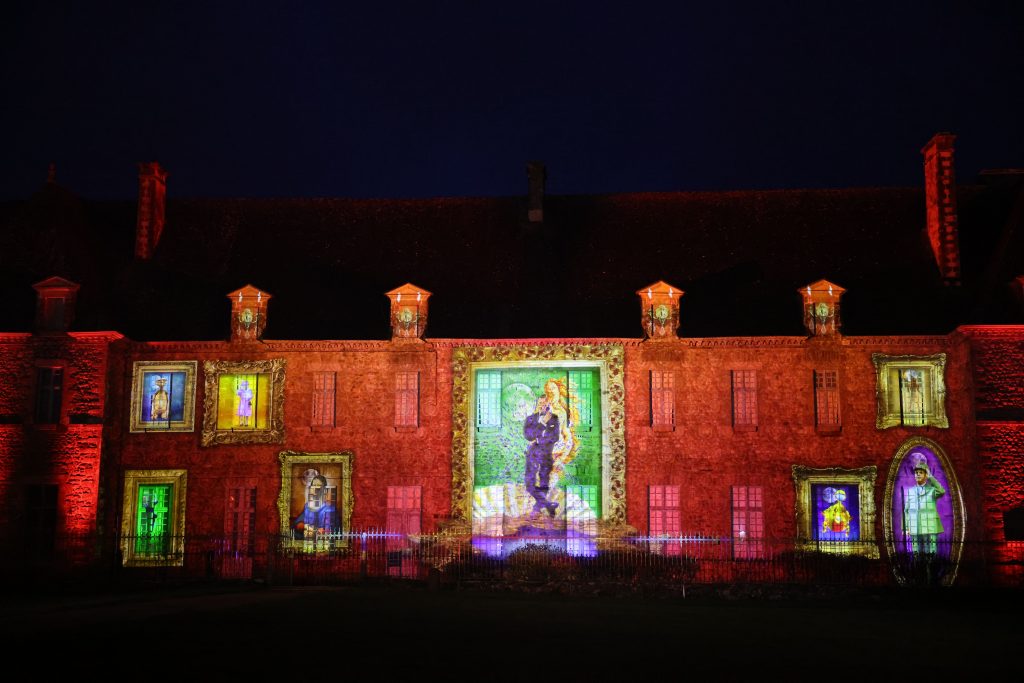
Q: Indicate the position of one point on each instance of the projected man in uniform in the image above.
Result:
(550, 435)
(921, 521)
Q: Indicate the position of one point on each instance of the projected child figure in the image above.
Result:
(552, 443)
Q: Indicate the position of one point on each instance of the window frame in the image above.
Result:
(324, 401)
(747, 522)
(674, 518)
(748, 407)
(662, 400)
(133, 480)
(831, 397)
(407, 421)
(889, 392)
(61, 418)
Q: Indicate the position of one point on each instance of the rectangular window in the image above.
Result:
(53, 313)
(663, 519)
(826, 401)
(911, 390)
(744, 400)
(488, 399)
(663, 410)
(404, 506)
(323, 399)
(581, 388)
(747, 523)
(240, 520)
(407, 400)
(153, 518)
(49, 388)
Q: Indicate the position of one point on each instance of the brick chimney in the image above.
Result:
(536, 175)
(940, 205)
(150, 221)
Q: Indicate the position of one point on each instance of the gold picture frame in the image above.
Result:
(919, 403)
(338, 467)
(168, 547)
(956, 505)
(157, 387)
(806, 517)
(213, 432)
(608, 357)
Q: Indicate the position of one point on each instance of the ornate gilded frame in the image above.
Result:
(608, 357)
(139, 368)
(288, 460)
(956, 497)
(864, 479)
(132, 480)
(889, 415)
(212, 371)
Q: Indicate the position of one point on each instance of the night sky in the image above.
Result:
(427, 99)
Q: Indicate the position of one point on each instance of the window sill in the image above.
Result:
(744, 428)
(829, 430)
(406, 429)
(321, 428)
(663, 428)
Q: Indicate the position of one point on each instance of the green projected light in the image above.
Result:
(152, 519)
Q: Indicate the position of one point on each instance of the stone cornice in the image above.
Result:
(998, 331)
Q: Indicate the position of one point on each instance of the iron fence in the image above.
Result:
(638, 561)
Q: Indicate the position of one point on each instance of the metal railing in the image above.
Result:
(635, 561)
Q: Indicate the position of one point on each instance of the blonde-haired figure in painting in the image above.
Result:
(552, 443)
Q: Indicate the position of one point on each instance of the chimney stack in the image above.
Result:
(940, 205)
(537, 175)
(150, 221)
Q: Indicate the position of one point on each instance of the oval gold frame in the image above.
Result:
(956, 549)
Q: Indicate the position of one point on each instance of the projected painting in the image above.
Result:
(243, 402)
(163, 396)
(837, 508)
(537, 450)
(315, 503)
(923, 513)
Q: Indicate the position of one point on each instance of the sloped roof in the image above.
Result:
(328, 262)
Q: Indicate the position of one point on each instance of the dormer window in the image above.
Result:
(821, 308)
(659, 310)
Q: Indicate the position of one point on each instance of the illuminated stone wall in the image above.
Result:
(66, 454)
(705, 455)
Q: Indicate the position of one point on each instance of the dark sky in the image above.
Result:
(452, 98)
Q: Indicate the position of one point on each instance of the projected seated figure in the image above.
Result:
(319, 515)
(549, 431)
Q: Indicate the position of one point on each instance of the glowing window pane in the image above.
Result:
(152, 519)
(747, 522)
(663, 519)
(488, 398)
(581, 388)
(240, 520)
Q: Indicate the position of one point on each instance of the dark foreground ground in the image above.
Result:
(369, 632)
